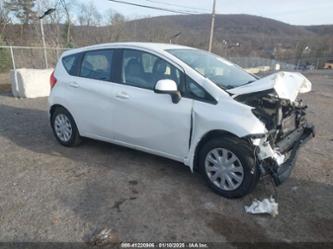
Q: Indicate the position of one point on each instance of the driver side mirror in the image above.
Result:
(168, 87)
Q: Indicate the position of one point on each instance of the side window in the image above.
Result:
(148, 62)
(97, 65)
(195, 91)
(70, 64)
(143, 69)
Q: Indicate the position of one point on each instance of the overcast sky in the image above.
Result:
(300, 12)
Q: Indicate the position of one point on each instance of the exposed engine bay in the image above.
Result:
(287, 129)
(280, 116)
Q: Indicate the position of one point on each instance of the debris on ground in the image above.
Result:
(294, 188)
(103, 237)
(266, 206)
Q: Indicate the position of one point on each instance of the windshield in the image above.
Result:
(220, 71)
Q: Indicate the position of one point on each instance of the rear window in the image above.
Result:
(97, 65)
(70, 64)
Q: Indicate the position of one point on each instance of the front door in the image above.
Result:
(147, 119)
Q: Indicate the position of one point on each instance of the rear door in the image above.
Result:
(144, 118)
(90, 93)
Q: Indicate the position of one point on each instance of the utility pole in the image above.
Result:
(212, 27)
(44, 44)
(46, 13)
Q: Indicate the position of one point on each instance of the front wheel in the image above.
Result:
(229, 167)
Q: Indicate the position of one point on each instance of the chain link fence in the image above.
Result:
(254, 62)
(15, 57)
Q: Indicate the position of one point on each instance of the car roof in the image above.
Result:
(157, 47)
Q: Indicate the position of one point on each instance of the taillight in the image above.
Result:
(53, 80)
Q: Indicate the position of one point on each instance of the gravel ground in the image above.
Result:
(55, 194)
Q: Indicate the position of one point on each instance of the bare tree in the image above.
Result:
(23, 10)
(118, 18)
(116, 22)
(4, 18)
(107, 17)
(68, 7)
(89, 15)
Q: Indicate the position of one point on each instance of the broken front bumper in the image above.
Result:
(279, 161)
(290, 145)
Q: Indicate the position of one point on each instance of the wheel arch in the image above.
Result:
(206, 137)
(55, 106)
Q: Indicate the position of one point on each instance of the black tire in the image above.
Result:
(245, 154)
(74, 139)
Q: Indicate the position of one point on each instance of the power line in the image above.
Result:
(154, 7)
(184, 12)
(177, 5)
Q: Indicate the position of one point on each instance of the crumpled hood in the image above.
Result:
(287, 85)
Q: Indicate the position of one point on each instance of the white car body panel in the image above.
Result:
(151, 120)
(225, 116)
(144, 120)
(287, 85)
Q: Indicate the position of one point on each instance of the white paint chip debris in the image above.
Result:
(266, 206)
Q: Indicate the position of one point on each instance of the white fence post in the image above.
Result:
(14, 67)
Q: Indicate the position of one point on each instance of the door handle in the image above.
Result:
(74, 84)
(122, 95)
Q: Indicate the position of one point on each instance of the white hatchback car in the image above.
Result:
(184, 104)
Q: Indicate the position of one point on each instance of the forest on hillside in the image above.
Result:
(72, 25)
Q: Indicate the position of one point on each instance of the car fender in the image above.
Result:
(227, 116)
(56, 99)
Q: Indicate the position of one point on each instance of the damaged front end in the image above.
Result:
(285, 119)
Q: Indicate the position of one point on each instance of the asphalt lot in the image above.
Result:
(52, 193)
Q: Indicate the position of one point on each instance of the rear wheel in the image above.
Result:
(229, 167)
(64, 128)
